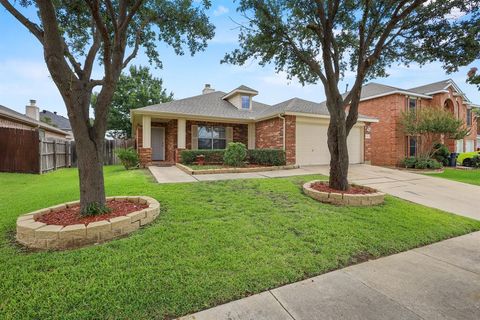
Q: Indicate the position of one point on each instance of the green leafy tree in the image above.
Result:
(136, 89)
(48, 121)
(78, 36)
(429, 126)
(318, 41)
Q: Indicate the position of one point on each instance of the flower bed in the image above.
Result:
(356, 196)
(225, 169)
(69, 231)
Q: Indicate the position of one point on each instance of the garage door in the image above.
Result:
(311, 144)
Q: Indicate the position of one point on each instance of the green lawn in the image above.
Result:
(213, 242)
(466, 176)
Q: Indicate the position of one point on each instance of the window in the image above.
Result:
(412, 146)
(412, 104)
(245, 102)
(211, 137)
(469, 117)
(459, 146)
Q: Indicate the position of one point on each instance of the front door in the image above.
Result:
(158, 144)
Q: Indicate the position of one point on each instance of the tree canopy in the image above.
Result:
(319, 41)
(136, 89)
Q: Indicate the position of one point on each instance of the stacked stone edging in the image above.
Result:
(38, 235)
(369, 199)
(191, 171)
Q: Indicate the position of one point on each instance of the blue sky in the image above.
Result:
(24, 76)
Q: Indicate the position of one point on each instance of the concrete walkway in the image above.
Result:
(455, 197)
(439, 281)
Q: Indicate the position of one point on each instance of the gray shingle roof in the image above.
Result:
(208, 105)
(23, 118)
(432, 87)
(60, 121)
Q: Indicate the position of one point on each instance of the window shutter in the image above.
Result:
(194, 137)
(229, 134)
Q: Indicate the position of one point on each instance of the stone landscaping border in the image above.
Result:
(191, 171)
(370, 199)
(38, 235)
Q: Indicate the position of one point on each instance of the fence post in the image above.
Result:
(40, 152)
(55, 154)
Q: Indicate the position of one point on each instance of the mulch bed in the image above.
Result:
(72, 215)
(353, 189)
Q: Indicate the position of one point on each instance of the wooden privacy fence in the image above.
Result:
(19, 150)
(109, 156)
(23, 151)
(54, 155)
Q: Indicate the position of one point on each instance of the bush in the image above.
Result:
(128, 157)
(269, 157)
(441, 153)
(235, 154)
(211, 156)
(409, 162)
(421, 163)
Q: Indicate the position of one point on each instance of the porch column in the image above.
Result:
(181, 133)
(147, 131)
(251, 136)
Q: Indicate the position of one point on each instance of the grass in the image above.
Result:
(466, 176)
(213, 242)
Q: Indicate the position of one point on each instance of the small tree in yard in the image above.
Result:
(317, 41)
(136, 89)
(429, 125)
(77, 35)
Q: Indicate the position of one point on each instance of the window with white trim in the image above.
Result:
(469, 117)
(246, 102)
(412, 104)
(412, 146)
(211, 137)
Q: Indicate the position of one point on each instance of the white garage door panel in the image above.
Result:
(312, 148)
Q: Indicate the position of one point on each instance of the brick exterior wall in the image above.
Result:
(145, 155)
(367, 151)
(240, 131)
(170, 140)
(388, 143)
(269, 135)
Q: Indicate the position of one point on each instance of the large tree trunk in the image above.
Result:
(90, 173)
(337, 145)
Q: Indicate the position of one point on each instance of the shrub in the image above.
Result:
(211, 156)
(128, 157)
(235, 154)
(409, 162)
(441, 153)
(421, 163)
(269, 157)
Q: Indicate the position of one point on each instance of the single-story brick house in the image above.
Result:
(389, 144)
(214, 118)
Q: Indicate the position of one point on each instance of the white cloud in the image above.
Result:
(455, 13)
(221, 10)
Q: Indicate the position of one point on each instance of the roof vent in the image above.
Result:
(207, 89)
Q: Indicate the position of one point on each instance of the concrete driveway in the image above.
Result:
(455, 197)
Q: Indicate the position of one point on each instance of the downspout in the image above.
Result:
(283, 118)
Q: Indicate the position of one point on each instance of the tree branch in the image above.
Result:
(32, 27)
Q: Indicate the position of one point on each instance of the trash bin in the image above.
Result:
(452, 160)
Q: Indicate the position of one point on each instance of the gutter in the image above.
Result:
(284, 125)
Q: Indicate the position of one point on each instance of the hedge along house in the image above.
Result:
(389, 143)
(215, 118)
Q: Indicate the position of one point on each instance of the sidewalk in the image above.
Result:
(439, 281)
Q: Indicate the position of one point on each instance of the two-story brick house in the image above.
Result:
(388, 142)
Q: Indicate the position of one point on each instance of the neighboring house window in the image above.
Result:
(459, 146)
(412, 104)
(211, 137)
(412, 146)
(469, 117)
(245, 102)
